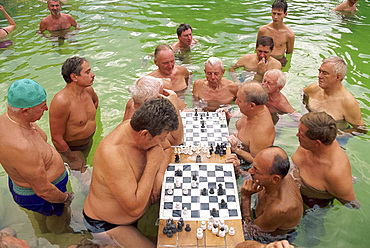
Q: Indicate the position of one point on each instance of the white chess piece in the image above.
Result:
(231, 231)
(185, 211)
(221, 233)
(199, 233)
(210, 225)
(178, 205)
(226, 228)
(203, 225)
(221, 223)
(177, 182)
(169, 191)
(214, 229)
(193, 184)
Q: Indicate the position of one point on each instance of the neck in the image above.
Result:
(333, 90)
(254, 114)
(16, 120)
(324, 150)
(274, 96)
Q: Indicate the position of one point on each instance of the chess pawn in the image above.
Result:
(203, 225)
(221, 223)
(177, 183)
(222, 232)
(210, 225)
(214, 229)
(199, 233)
(178, 205)
(226, 228)
(193, 184)
(169, 191)
(231, 231)
(185, 191)
(185, 211)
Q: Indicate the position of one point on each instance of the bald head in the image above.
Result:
(254, 93)
(278, 160)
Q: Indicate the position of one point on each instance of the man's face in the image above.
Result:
(352, 2)
(214, 74)
(54, 7)
(270, 82)
(186, 38)
(37, 111)
(327, 78)
(304, 141)
(241, 101)
(153, 141)
(165, 62)
(263, 52)
(278, 15)
(86, 77)
(260, 169)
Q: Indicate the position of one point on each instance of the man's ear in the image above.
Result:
(276, 179)
(144, 134)
(25, 111)
(73, 76)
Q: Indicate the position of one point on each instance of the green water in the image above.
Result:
(116, 36)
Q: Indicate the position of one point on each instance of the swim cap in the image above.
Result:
(25, 93)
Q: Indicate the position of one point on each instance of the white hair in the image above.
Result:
(281, 76)
(214, 61)
(145, 88)
(13, 109)
(340, 66)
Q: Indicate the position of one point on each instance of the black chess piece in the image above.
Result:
(214, 212)
(211, 149)
(177, 158)
(198, 159)
(196, 112)
(181, 220)
(202, 126)
(169, 233)
(212, 191)
(187, 228)
(220, 190)
(223, 204)
(194, 177)
(165, 230)
(207, 113)
(178, 173)
(204, 191)
(179, 226)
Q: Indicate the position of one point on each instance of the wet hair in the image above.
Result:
(72, 65)
(340, 66)
(53, 1)
(215, 61)
(265, 41)
(161, 47)
(281, 76)
(145, 88)
(155, 115)
(182, 27)
(280, 4)
(280, 164)
(321, 126)
(255, 92)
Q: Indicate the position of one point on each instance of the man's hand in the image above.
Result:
(280, 244)
(233, 158)
(262, 66)
(250, 187)
(154, 157)
(67, 202)
(233, 140)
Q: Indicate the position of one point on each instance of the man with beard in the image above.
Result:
(58, 24)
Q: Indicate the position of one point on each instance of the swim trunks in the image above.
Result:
(5, 43)
(97, 226)
(26, 197)
(283, 61)
(84, 147)
(6, 31)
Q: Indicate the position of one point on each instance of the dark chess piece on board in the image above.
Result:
(204, 191)
(196, 112)
(214, 212)
(187, 228)
(220, 190)
(177, 158)
(212, 191)
(223, 204)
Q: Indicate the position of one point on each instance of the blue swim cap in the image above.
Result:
(25, 93)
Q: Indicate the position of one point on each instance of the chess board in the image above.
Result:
(213, 131)
(199, 207)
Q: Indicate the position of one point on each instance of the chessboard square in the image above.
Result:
(196, 126)
(211, 173)
(203, 130)
(209, 126)
(210, 135)
(176, 213)
(167, 213)
(216, 122)
(202, 179)
(229, 185)
(216, 215)
(168, 205)
(220, 179)
(196, 143)
(211, 167)
(195, 214)
(213, 143)
(218, 139)
(170, 180)
(233, 205)
(189, 138)
(233, 212)
(171, 168)
(188, 123)
(224, 213)
(223, 126)
(212, 185)
(196, 135)
(213, 199)
(195, 199)
(168, 198)
(187, 114)
(202, 167)
(204, 206)
(189, 130)
(219, 168)
(186, 179)
(186, 167)
(177, 198)
(228, 173)
(186, 205)
(219, 173)
(203, 138)
(230, 191)
(231, 198)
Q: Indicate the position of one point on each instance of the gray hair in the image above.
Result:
(281, 76)
(13, 109)
(145, 88)
(255, 92)
(340, 66)
(214, 61)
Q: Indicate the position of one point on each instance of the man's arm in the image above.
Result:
(290, 42)
(248, 188)
(94, 96)
(58, 116)
(120, 175)
(196, 89)
(9, 19)
(232, 72)
(354, 117)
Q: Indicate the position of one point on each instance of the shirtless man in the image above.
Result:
(320, 166)
(283, 36)
(214, 90)
(255, 128)
(257, 63)
(279, 207)
(274, 81)
(6, 30)
(331, 96)
(37, 175)
(58, 24)
(126, 163)
(349, 5)
(72, 113)
(175, 77)
(185, 36)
